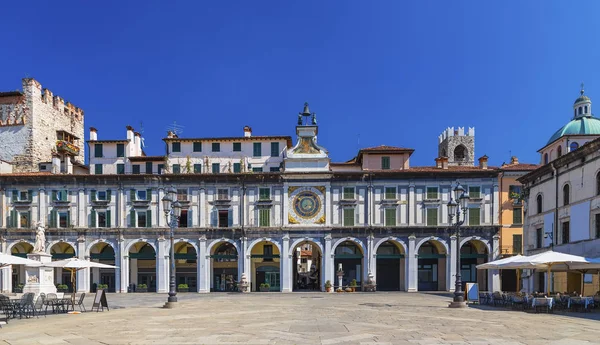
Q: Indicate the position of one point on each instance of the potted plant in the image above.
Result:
(182, 288)
(328, 286)
(62, 288)
(264, 287)
(19, 288)
(102, 287)
(339, 290)
(142, 288)
(353, 285)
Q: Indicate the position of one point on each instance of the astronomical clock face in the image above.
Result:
(306, 205)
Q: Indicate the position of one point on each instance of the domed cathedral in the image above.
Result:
(457, 145)
(583, 128)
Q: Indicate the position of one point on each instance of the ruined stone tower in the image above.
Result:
(36, 126)
(457, 145)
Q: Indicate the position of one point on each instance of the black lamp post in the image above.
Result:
(172, 209)
(455, 209)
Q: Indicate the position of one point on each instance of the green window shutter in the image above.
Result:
(265, 217)
(390, 193)
(176, 169)
(197, 168)
(63, 195)
(15, 195)
(28, 219)
(149, 194)
(237, 167)
(148, 167)
(98, 150)
(132, 194)
(237, 147)
(108, 220)
(348, 217)
(30, 195)
(385, 163)
(149, 218)
(120, 169)
(474, 216)
(264, 194)
(390, 217)
(257, 149)
(517, 215)
(53, 196)
(432, 193)
(274, 149)
(475, 192)
(132, 218)
(432, 214)
(108, 195)
(53, 217)
(93, 219)
(216, 168)
(12, 219)
(93, 195)
(216, 147)
(197, 146)
(517, 244)
(176, 147)
(120, 150)
(68, 219)
(214, 218)
(229, 218)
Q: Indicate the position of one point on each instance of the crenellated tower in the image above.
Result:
(457, 145)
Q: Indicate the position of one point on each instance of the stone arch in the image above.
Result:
(470, 260)
(461, 153)
(217, 242)
(566, 193)
(88, 249)
(351, 239)
(143, 240)
(53, 243)
(189, 242)
(13, 244)
(312, 240)
(264, 239)
(478, 240)
(393, 239)
(436, 242)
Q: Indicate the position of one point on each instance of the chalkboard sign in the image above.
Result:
(100, 301)
(472, 290)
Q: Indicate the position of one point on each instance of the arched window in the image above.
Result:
(574, 112)
(539, 204)
(460, 153)
(580, 110)
(573, 146)
(566, 194)
(559, 151)
(545, 158)
(586, 109)
(598, 184)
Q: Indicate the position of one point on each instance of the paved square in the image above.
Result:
(302, 318)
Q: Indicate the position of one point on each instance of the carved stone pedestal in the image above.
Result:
(39, 279)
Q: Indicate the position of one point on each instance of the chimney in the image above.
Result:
(138, 144)
(130, 133)
(514, 160)
(438, 162)
(483, 162)
(444, 161)
(247, 131)
(93, 133)
(55, 165)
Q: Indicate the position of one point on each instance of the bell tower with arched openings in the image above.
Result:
(457, 145)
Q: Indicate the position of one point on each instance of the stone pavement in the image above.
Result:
(301, 318)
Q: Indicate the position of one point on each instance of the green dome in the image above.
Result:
(584, 125)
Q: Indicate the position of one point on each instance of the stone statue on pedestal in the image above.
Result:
(40, 239)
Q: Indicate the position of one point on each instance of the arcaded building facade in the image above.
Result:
(274, 208)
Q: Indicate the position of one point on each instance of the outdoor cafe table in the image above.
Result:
(537, 300)
(586, 301)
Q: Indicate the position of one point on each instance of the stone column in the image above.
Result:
(42, 212)
(202, 209)
(162, 265)
(6, 272)
(494, 275)
(328, 257)
(413, 261)
(286, 258)
(81, 209)
(122, 271)
(133, 268)
(285, 205)
(247, 264)
(451, 275)
(162, 221)
(203, 266)
(496, 205)
(121, 213)
(82, 276)
(411, 205)
(328, 209)
(95, 276)
(241, 261)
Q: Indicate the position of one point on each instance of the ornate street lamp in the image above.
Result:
(455, 209)
(172, 209)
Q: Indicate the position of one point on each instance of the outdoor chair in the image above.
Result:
(518, 302)
(542, 304)
(6, 307)
(51, 301)
(39, 304)
(498, 298)
(26, 305)
(80, 304)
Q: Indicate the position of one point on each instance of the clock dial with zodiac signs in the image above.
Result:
(306, 204)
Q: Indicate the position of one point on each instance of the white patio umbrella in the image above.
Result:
(549, 260)
(8, 259)
(74, 265)
(497, 264)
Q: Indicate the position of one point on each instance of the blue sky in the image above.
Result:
(376, 72)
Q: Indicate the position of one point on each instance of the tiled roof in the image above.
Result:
(109, 141)
(36, 173)
(10, 93)
(254, 137)
(519, 167)
(386, 148)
